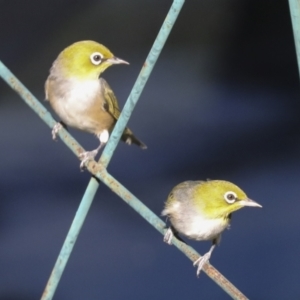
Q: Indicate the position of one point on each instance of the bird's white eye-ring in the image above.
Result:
(230, 197)
(96, 58)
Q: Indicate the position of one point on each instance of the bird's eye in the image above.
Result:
(96, 58)
(230, 197)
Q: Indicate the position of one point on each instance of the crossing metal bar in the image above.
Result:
(295, 16)
(70, 240)
(141, 81)
(113, 141)
(41, 111)
(99, 169)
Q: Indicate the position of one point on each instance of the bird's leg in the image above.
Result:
(170, 233)
(201, 261)
(88, 155)
(56, 128)
(168, 236)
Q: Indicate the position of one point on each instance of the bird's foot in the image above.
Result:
(201, 261)
(86, 156)
(56, 128)
(89, 155)
(168, 236)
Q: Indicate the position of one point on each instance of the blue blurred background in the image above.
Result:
(221, 103)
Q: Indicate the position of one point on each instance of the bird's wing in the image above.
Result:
(110, 101)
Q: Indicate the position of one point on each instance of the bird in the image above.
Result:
(201, 210)
(81, 98)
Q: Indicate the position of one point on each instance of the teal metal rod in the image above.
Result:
(114, 139)
(41, 111)
(101, 173)
(295, 16)
(141, 81)
(70, 240)
(32, 101)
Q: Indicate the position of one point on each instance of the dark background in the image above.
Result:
(221, 103)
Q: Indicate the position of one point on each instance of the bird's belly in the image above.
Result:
(75, 115)
(200, 228)
(82, 109)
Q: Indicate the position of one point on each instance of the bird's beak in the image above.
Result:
(249, 202)
(115, 61)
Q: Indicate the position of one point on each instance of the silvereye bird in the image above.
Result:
(201, 210)
(81, 98)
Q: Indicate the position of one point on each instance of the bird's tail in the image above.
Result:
(129, 138)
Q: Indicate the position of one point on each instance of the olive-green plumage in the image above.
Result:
(80, 97)
(201, 210)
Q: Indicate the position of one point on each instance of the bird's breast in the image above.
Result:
(79, 104)
(189, 222)
(200, 228)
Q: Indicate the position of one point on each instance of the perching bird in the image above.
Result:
(201, 210)
(81, 98)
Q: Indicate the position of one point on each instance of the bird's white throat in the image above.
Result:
(82, 91)
(201, 228)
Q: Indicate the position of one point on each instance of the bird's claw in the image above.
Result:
(168, 236)
(201, 261)
(86, 156)
(56, 128)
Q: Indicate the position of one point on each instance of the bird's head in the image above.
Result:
(218, 198)
(85, 60)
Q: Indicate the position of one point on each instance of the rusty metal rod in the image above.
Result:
(99, 169)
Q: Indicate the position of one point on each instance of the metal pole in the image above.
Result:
(295, 15)
(109, 150)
